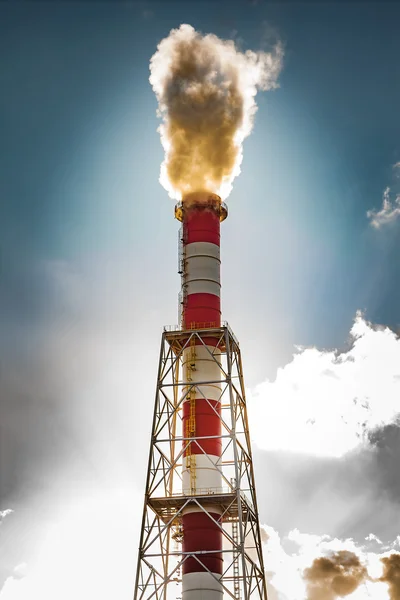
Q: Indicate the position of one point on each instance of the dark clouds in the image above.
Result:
(55, 382)
(385, 442)
(348, 497)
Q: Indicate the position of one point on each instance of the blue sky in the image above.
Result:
(89, 243)
(81, 153)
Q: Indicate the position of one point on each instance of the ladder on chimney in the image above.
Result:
(236, 557)
(191, 422)
(182, 272)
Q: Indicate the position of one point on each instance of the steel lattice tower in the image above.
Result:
(200, 536)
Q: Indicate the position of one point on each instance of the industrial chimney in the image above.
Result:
(200, 537)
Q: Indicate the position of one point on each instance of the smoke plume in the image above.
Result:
(339, 574)
(391, 575)
(206, 91)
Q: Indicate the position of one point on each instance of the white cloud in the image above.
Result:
(373, 538)
(5, 513)
(324, 402)
(19, 571)
(396, 167)
(389, 212)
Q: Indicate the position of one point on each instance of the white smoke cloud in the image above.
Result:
(206, 91)
(389, 212)
(324, 403)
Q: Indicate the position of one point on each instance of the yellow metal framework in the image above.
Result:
(203, 325)
(191, 422)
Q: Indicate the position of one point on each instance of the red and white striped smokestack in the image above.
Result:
(201, 214)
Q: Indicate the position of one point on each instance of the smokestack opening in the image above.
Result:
(201, 201)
